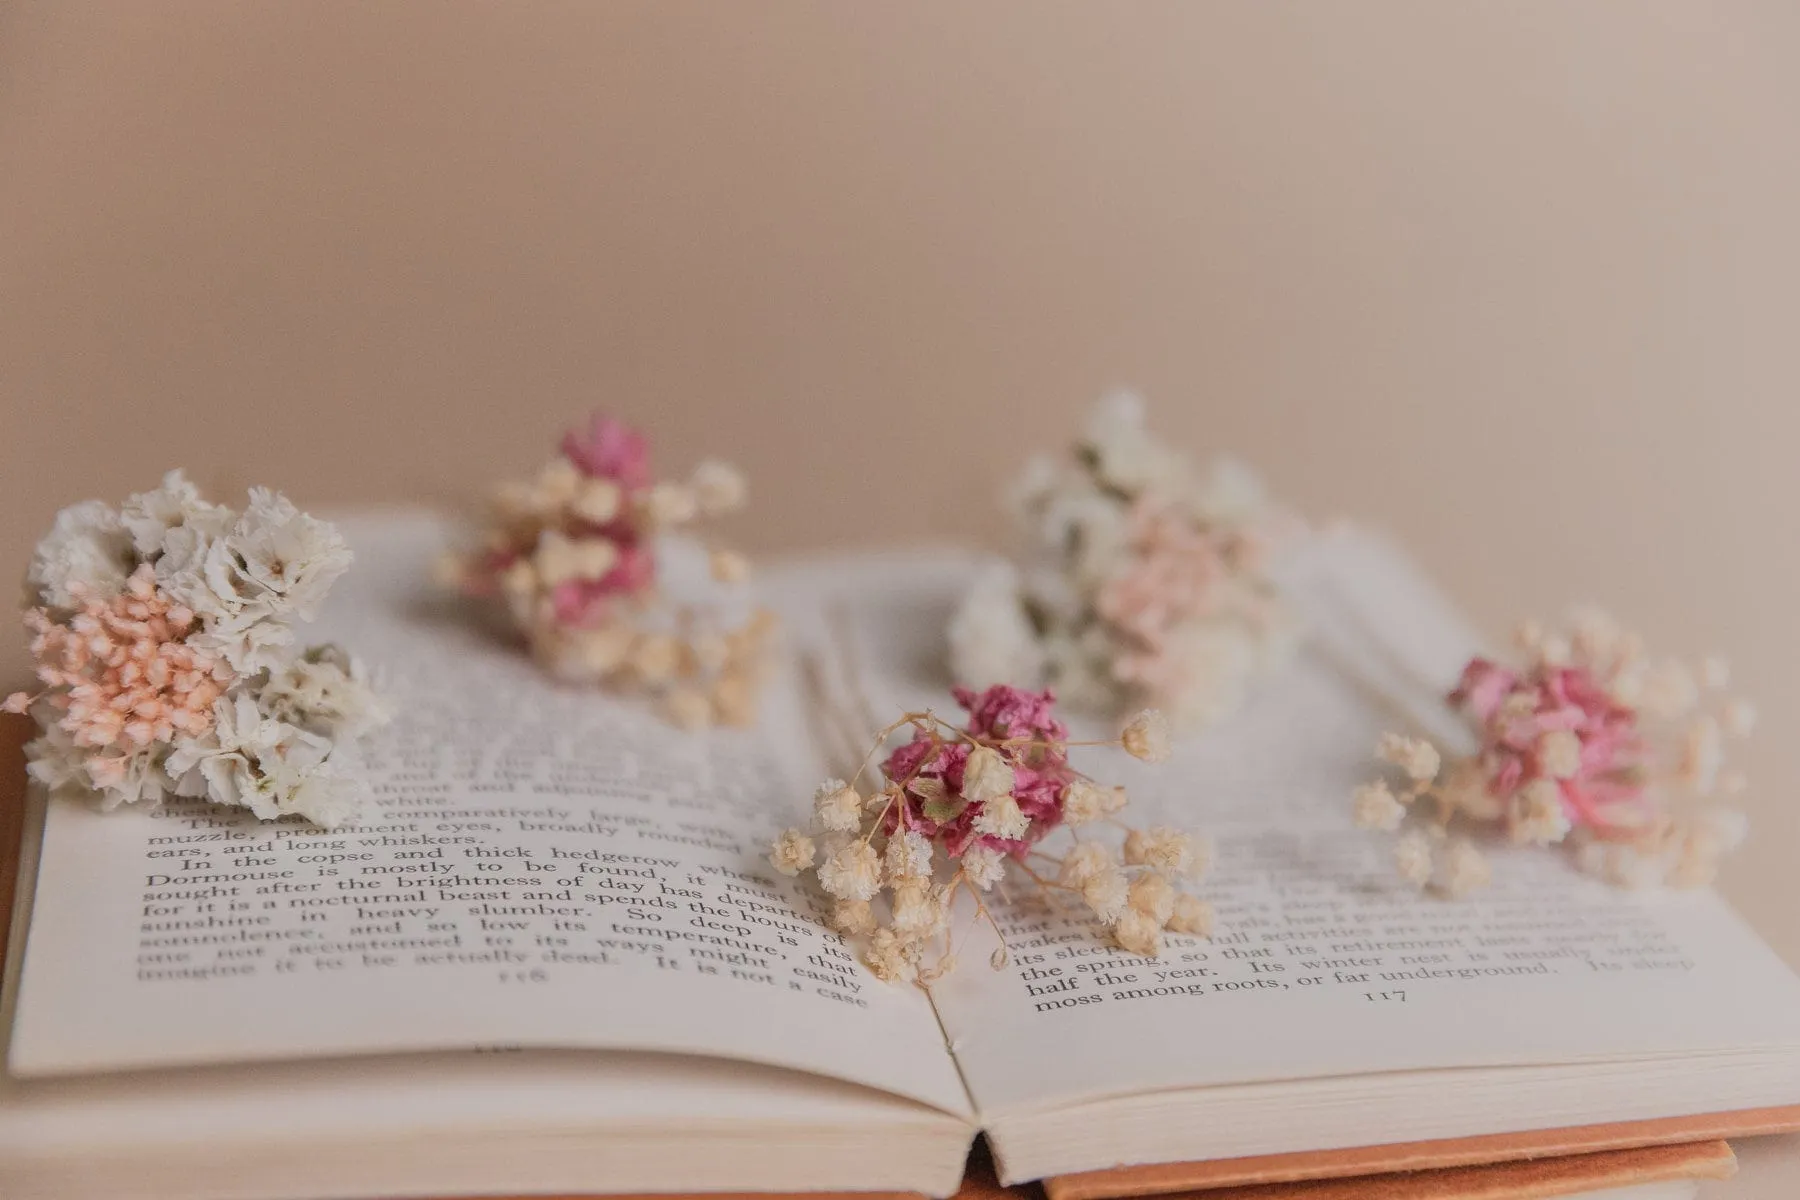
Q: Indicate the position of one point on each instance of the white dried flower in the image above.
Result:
(892, 957)
(918, 910)
(1160, 848)
(991, 639)
(853, 873)
(1082, 802)
(984, 866)
(1415, 756)
(986, 776)
(1412, 857)
(149, 516)
(597, 501)
(837, 807)
(1740, 718)
(1465, 869)
(1539, 817)
(852, 917)
(87, 547)
(1192, 915)
(268, 766)
(1152, 894)
(728, 566)
(1559, 754)
(908, 855)
(666, 504)
(1465, 788)
(792, 853)
(1139, 932)
(1107, 893)
(1374, 806)
(325, 691)
(719, 487)
(1146, 736)
(1669, 690)
(1702, 755)
(1002, 817)
(1082, 863)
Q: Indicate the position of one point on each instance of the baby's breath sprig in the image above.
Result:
(575, 555)
(1588, 744)
(983, 796)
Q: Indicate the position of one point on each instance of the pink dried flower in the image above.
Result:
(607, 448)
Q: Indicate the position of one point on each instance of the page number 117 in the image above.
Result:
(1378, 997)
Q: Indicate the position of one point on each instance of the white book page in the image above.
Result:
(1323, 964)
(544, 867)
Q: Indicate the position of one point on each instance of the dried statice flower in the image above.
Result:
(1144, 581)
(163, 632)
(582, 558)
(1588, 744)
(988, 793)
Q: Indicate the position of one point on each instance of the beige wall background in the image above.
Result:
(1518, 281)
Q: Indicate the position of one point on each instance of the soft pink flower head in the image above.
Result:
(1006, 712)
(579, 603)
(608, 448)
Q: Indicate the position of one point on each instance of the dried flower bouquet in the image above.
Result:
(1145, 580)
(961, 808)
(1587, 744)
(163, 632)
(577, 555)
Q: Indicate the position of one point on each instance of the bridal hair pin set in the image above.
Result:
(164, 637)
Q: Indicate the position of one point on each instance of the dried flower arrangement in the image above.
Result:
(1589, 744)
(987, 794)
(1145, 582)
(164, 637)
(575, 556)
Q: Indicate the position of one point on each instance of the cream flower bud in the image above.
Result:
(1153, 895)
(1146, 736)
(792, 853)
(1417, 757)
(557, 483)
(837, 807)
(1412, 857)
(1465, 870)
(597, 501)
(667, 504)
(1192, 915)
(1559, 754)
(893, 958)
(1161, 848)
(984, 866)
(592, 558)
(718, 487)
(728, 566)
(917, 910)
(688, 708)
(1002, 818)
(1082, 863)
(1082, 802)
(1107, 894)
(1374, 806)
(986, 776)
(1702, 755)
(908, 855)
(655, 657)
(1538, 815)
(852, 917)
(853, 873)
(1139, 933)
(1740, 718)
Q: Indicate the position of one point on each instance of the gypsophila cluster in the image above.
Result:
(578, 556)
(163, 632)
(964, 807)
(1143, 582)
(1589, 744)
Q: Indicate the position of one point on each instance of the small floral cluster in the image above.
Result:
(983, 797)
(577, 558)
(1589, 744)
(163, 632)
(1146, 581)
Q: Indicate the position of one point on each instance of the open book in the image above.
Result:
(553, 958)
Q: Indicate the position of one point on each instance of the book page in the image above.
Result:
(543, 866)
(1323, 963)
